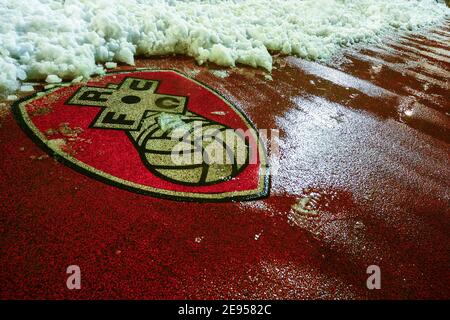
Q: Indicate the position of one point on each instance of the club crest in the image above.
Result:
(155, 132)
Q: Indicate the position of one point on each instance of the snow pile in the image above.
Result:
(70, 38)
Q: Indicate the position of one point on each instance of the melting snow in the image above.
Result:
(73, 38)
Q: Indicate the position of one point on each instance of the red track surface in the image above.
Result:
(367, 140)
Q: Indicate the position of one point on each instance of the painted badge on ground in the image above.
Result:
(156, 132)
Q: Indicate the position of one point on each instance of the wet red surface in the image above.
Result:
(364, 147)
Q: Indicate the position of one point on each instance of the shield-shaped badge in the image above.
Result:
(155, 132)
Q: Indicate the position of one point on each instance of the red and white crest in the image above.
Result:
(120, 129)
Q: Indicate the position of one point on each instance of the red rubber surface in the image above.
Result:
(367, 139)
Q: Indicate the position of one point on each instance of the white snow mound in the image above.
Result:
(72, 38)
